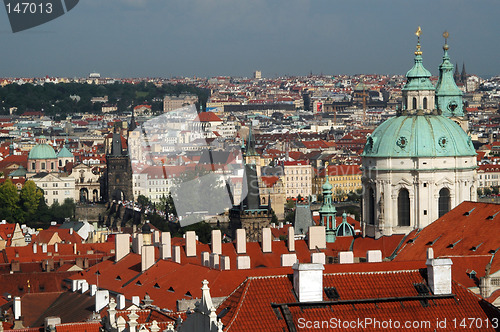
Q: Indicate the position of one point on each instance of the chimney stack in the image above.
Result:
(216, 242)
(120, 300)
(291, 239)
(101, 299)
(205, 258)
(225, 263)
(17, 308)
(137, 243)
(241, 241)
(346, 257)
(122, 246)
(147, 257)
(214, 261)
(438, 274)
(308, 282)
(177, 254)
(374, 256)
(243, 262)
(190, 244)
(317, 237)
(165, 246)
(267, 242)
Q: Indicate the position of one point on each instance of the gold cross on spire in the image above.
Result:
(418, 33)
(445, 35)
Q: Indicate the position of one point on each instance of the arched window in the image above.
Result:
(414, 106)
(444, 202)
(425, 103)
(404, 208)
(371, 206)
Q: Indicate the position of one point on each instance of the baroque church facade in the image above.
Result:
(420, 164)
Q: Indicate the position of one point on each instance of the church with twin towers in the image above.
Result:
(421, 163)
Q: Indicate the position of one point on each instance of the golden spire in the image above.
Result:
(418, 33)
(445, 35)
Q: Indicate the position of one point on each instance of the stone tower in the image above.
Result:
(118, 170)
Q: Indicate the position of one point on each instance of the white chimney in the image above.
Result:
(120, 300)
(156, 237)
(137, 243)
(177, 254)
(318, 258)
(71, 231)
(308, 282)
(317, 237)
(165, 238)
(214, 261)
(51, 322)
(267, 241)
(147, 257)
(190, 244)
(346, 257)
(101, 299)
(93, 290)
(438, 274)
(288, 259)
(291, 239)
(243, 262)
(205, 259)
(241, 241)
(84, 287)
(136, 300)
(165, 251)
(216, 242)
(225, 264)
(17, 308)
(122, 246)
(374, 256)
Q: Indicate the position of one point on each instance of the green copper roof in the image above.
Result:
(327, 207)
(418, 76)
(42, 151)
(448, 95)
(345, 229)
(64, 153)
(419, 136)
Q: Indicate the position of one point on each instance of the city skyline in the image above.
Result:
(145, 38)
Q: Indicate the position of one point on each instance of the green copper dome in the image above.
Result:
(419, 136)
(42, 151)
(64, 153)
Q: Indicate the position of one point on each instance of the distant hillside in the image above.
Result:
(56, 99)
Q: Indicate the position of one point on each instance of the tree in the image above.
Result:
(9, 202)
(30, 197)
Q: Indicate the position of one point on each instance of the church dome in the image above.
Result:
(42, 151)
(64, 153)
(419, 136)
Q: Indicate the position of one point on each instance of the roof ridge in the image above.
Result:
(240, 303)
(369, 272)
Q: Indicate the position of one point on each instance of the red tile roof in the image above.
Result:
(249, 306)
(207, 117)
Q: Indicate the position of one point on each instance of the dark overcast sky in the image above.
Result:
(164, 38)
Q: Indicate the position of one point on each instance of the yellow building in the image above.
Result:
(343, 178)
